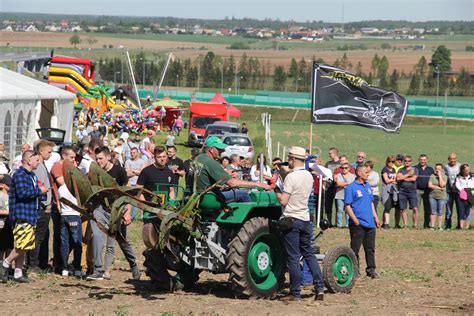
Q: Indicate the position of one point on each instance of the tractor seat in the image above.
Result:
(211, 202)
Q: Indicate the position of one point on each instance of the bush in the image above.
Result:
(239, 45)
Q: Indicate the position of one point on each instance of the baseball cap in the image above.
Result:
(214, 141)
(124, 136)
(399, 157)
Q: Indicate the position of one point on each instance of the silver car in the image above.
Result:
(239, 144)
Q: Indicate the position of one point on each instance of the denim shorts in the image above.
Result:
(406, 199)
(437, 206)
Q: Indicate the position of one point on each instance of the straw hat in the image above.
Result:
(297, 152)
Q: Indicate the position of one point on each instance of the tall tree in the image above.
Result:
(207, 71)
(279, 78)
(293, 71)
(229, 71)
(302, 79)
(414, 87)
(441, 58)
(243, 73)
(75, 40)
(358, 70)
(394, 81)
(464, 83)
(382, 71)
(374, 65)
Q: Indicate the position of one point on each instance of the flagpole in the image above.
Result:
(320, 191)
(310, 138)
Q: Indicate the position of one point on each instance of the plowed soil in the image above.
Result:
(422, 272)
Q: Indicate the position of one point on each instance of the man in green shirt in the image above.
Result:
(211, 171)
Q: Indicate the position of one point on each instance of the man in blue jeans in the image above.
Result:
(294, 197)
(363, 218)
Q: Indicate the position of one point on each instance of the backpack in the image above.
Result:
(470, 195)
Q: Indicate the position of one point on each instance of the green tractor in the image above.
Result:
(202, 233)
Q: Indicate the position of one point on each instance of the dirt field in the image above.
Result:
(400, 60)
(422, 272)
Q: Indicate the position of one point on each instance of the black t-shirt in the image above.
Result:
(176, 162)
(151, 177)
(119, 174)
(189, 173)
(391, 173)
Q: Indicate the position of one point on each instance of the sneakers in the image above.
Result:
(96, 276)
(78, 273)
(65, 273)
(385, 226)
(373, 275)
(4, 274)
(21, 279)
(136, 273)
(319, 296)
(290, 298)
(107, 276)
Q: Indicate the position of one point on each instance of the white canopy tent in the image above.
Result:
(27, 104)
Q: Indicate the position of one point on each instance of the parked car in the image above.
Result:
(239, 144)
(221, 128)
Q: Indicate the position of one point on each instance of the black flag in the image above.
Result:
(339, 97)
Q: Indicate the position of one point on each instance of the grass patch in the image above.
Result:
(409, 276)
(184, 38)
(121, 310)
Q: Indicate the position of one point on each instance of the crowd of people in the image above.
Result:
(403, 186)
(33, 192)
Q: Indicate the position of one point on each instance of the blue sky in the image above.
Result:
(298, 10)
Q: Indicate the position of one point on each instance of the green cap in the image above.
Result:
(214, 141)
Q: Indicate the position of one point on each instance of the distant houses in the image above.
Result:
(294, 32)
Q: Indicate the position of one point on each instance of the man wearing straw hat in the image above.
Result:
(296, 225)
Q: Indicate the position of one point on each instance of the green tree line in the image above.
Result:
(248, 73)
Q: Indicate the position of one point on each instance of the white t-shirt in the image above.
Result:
(55, 157)
(119, 151)
(85, 164)
(256, 178)
(298, 185)
(81, 134)
(16, 164)
(63, 192)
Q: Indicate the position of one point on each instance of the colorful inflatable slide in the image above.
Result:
(77, 75)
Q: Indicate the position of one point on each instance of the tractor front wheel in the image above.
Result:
(256, 259)
(340, 269)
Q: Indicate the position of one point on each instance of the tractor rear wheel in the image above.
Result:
(256, 259)
(157, 265)
(340, 269)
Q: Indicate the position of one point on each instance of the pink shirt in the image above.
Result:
(179, 122)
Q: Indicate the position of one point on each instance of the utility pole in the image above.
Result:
(222, 78)
(437, 85)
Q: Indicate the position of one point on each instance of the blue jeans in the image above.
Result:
(71, 239)
(464, 210)
(298, 244)
(340, 213)
(57, 258)
(437, 206)
(236, 196)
